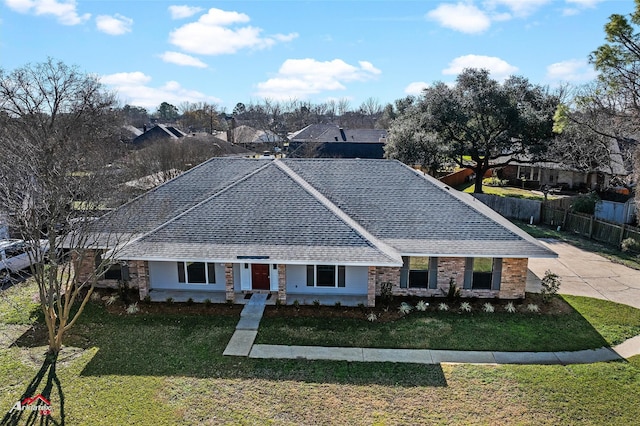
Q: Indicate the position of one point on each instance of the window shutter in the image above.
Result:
(468, 273)
(181, 276)
(433, 272)
(310, 275)
(497, 274)
(211, 272)
(341, 276)
(404, 272)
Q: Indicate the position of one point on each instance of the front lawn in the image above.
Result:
(586, 324)
(168, 369)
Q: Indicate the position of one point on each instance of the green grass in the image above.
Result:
(591, 324)
(611, 253)
(156, 369)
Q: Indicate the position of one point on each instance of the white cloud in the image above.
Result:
(572, 70)
(299, 78)
(519, 8)
(416, 88)
(211, 34)
(182, 59)
(114, 25)
(64, 11)
(181, 12)
(134, 89)
(498, 68)
(579, 5)
(463, 17)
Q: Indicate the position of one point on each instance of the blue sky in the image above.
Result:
(226, 52)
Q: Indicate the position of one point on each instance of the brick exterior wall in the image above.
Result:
(372, 285)
(451, 269)
(514, 278)
(139, 276)
(228, 279)
(84, 266)
(282, 284)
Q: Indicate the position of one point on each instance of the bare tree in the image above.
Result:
(59, 128)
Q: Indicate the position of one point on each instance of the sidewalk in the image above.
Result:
(429, 356)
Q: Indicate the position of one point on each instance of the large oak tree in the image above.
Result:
(481, 123)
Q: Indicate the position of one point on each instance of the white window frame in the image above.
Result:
(336, 277)
(206, 272)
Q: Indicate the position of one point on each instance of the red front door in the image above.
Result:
(260, 277)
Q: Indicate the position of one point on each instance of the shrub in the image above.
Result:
(510, 307)
(532, 307)
(147, 299)
(296, 304)
(422, 306)
(495, 181)
(453, 292)
(405, 308)
(465, 307)
(189, 301)
(133, 309)
(550, 286)
(585, 203)
(95, 296)
(207, 302)
(279, 302)
(361, 306)
(316, 303)
(169, 300)
(338, 304)
(630, 245)
(443, 307)
(372, 317)
(386, 293)
(111, 300)
(488, 307)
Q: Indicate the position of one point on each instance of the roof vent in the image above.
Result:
(344, 136)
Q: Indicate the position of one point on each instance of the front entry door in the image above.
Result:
(260, 277)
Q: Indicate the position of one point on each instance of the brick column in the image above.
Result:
(514, 278)
(371, 287)
(450, 267)
(228, 276)
(282, 283)
(139, 276)
(84, 264)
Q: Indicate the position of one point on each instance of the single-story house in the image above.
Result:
(157, 133)
(558, 174)
(331, 141)
(307, 229)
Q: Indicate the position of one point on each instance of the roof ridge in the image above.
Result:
(195, 206)
(384, 248)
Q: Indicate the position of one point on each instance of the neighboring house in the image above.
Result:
(245, 135)
(553, 174)
(157, 133)
(306, 229)
(330, 141)
(128, 133)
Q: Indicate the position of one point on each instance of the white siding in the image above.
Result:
(164, 275)
(355, 281)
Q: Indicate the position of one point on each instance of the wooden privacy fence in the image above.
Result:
(588, 226)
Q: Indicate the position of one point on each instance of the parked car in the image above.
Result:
(14, 257)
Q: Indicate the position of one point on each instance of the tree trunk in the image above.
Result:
(477, 189)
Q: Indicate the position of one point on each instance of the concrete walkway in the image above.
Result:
(429, 356)
(247, 328)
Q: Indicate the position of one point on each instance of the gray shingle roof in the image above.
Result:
(313, 211)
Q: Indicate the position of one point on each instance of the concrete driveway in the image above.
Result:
(588, 274)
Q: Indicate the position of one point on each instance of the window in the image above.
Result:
(483, 273)
(419, 272)
(196, 272)
(326, 276)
